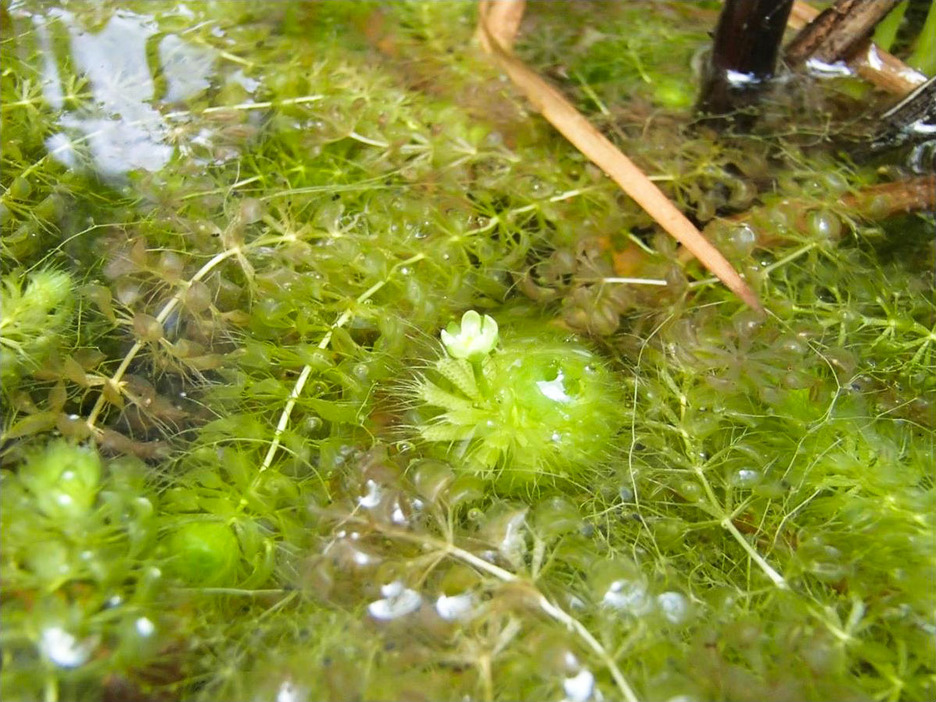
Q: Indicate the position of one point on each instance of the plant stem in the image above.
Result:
(307, 370)
(774, 576)
(163, 315)
(477, 367)
(924, 52)
(552, 610)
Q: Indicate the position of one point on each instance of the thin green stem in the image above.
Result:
(774, 576)
(923, 57)
(552, 610)
(296, 392)
(477, 367)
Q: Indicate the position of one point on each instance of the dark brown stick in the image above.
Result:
(837, 31)
(744, 53)
(870, 61)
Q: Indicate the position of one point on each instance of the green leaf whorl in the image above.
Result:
(535, 410)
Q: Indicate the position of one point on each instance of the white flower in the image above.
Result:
(476, 337)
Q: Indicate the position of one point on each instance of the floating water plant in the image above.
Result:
(521, 410)
(236, 465)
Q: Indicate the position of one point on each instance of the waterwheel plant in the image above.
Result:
(256, 473)
(524, 410)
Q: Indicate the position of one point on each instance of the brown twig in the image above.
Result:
(889, 199)
(502, 19)
(593, 144)
(837, 30)
(872, 63)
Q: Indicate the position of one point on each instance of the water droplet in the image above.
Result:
(372, 498)
(288, 692)
(63, 649)
(746, 478)
(627, 595)
(144, 627)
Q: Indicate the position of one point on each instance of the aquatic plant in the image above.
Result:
(530, 410)
(80, 580)
(36, 313)
(255, 472)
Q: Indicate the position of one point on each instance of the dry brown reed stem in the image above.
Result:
(872, 63)
(593, 144)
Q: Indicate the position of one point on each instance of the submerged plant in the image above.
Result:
(707, 506)
(79, 577)
(533, 410)
(35, 310)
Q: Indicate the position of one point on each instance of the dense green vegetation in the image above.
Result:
(238, 462)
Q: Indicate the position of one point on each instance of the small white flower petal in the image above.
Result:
(471, 324)
(476, 336)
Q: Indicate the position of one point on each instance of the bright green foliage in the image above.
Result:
(531, 411)
(63, 481)
(254, 473)
(204, 553)
(79, 579)
(36, 311)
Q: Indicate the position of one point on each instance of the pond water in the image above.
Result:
(253, 447)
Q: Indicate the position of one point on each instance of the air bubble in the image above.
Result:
(824, 225)
(628, 595)
(373, 496)
(690, 491)
(742, 239)
(579, 688)
(144, 626)
(63, 649)
(746, 478)
(398, 601)
(288, 692)
(673, 606)
(455, 607)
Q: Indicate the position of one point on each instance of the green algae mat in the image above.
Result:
(331, 372)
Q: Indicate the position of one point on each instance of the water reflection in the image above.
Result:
(120, 129)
